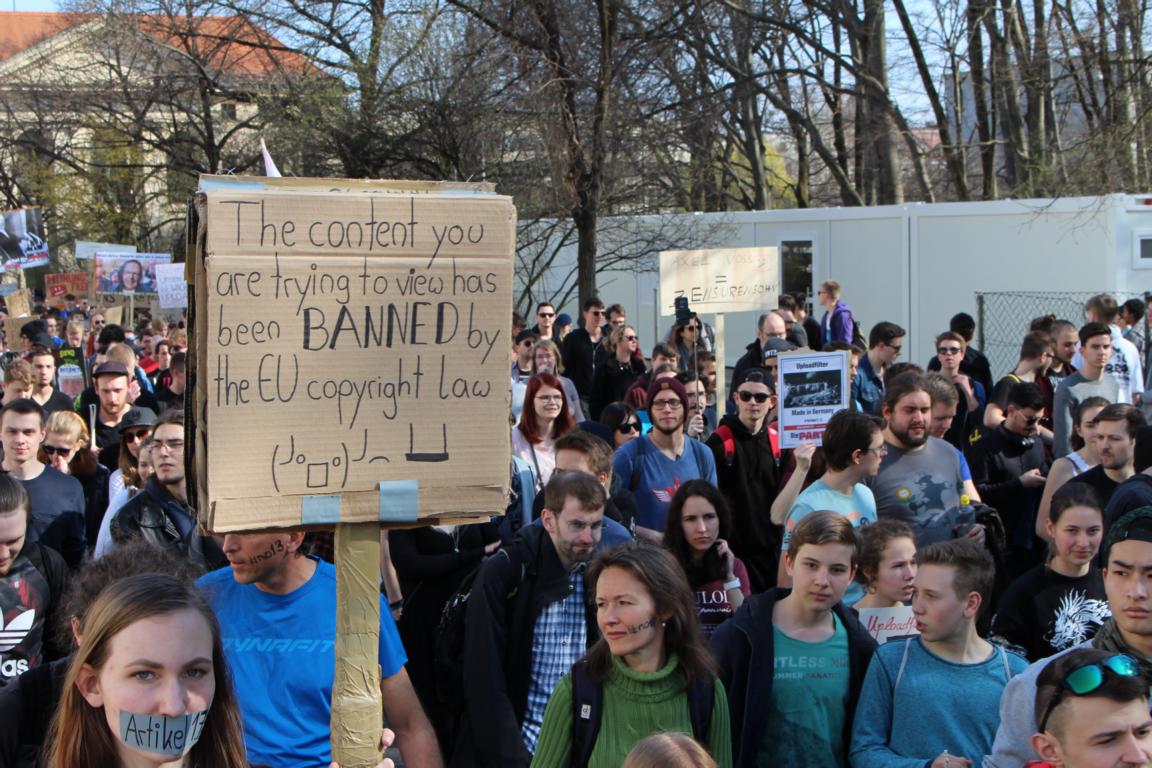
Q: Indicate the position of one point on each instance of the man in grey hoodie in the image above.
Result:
(1128, 584)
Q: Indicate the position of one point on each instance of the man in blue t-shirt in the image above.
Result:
(277, 611)
(654, 465)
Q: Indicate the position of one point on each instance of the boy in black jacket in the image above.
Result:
(792, 662)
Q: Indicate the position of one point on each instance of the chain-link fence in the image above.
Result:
(1002, 320)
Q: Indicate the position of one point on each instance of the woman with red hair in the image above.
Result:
(545, 417)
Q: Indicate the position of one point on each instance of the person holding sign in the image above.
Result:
(148, 684)
(853, 447)
(277, 612)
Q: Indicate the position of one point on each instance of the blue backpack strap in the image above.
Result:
(587, 703)
(701, 700)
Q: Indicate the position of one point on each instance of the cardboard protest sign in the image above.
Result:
(361, 332)
(59, 285)
(114, 315)
(811, 387)
(23, 243)
(720, 280)
(19, 304)
(887, 623)
(12, 326)
(86, 250)
(171, 286)
(126, 272)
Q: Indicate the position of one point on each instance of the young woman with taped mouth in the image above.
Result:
(148, 685)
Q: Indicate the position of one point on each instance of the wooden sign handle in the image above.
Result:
(357, 712)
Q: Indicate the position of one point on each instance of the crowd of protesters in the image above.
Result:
(668, 587)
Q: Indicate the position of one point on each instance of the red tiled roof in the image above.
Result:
(230, 44)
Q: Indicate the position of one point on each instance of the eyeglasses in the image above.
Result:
(175, 446)
(52, 449)
(747, 397)
(545, 314)
(631, 338)
(597, 312)
(549, 398)
(667, 405)
(692, 327)
(136, 434)
(1031, 420)
(628, 428)
(948, 350)
(1083, 680)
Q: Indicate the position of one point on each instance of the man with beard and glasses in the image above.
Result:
(654, 465)
(920, 479)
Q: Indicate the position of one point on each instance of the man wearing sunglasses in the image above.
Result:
(582, 350)
(747, 475)
(545, 318)
(1008, 467)
(1092, 712)
(1128, 585)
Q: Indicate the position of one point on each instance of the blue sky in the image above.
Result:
(29, 5)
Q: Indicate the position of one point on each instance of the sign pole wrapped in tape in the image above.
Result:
(349, 368)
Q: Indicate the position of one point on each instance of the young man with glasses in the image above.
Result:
(885, 342)
(654, 465)
(1093, 712)
(160, 514)
(1128, 585)
(1008, 467)
(748, 476)
(853, 447)
(582, 350)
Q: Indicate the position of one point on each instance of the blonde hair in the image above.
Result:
(70, 424)
(668, 750)
(123, 354)
(19, 372)
(831, 287)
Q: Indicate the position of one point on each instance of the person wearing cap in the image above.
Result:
(747, 475)
(524, 342)
(769, 328)
(57, 500)
(111, 382)
(654, 465)
(562, 326)
(1128, 585)
(159, 513)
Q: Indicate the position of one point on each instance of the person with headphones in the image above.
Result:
(1008, 467)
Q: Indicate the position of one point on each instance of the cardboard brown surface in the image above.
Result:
(19, 304)
(357, 711)
(345, 338)
(59, 285)
(12, 326)
(721, 279)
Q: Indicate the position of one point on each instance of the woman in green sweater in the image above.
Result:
(651, 665)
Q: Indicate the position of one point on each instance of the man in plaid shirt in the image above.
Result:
(529, 619)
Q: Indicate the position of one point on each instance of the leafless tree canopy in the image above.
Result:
(581, 109)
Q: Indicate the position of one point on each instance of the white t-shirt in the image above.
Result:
(1125, 366)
